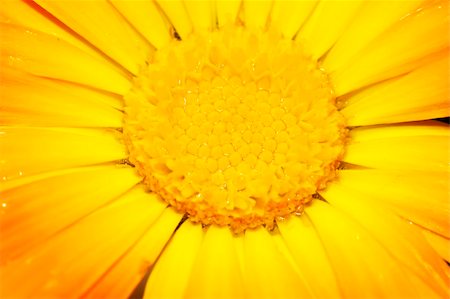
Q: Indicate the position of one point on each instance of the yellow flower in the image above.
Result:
(224, 149)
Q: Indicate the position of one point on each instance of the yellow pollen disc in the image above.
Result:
(234, 127)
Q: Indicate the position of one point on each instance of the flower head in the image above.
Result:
(224, 149)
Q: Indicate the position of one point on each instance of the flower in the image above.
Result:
(224, 149)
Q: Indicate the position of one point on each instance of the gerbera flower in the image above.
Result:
(224, 149)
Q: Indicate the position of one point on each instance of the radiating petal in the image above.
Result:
(364, 269)
(227, 11)
(289, 16)
(421, 197)
(137, 261)
(170, 276)
(28, 50)
(178, 16)
(34, 212)
(439, 243)
(100, 24)
(420, 151)
(31, 100)
(256, 13)
(28, 14)
(325, 25)
(146, 18)
(402, 240)
(397, 51)
(304, 243)
(202, 14)
(6, 184)
(26, 151)
(408, 153)
(216, 272)
(366, 26)
(421, 94)
(59, 267)
(412, 129)
(268, 273)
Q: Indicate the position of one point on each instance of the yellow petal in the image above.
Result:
(100, 24)
(26, 151)
(138, 261)
(202, 14)
(6, 184)
(216, 272)
(178, 16)
(421, 94)
(268, 273)
(397, 51)
(29, 14)
(439, 243)
(363, 267)
(31, 100)
(366, 26)
(403, 241)
(423, 290)
(31, 214)
(73, 260)
(412, 151)
(256, 12)
(170, 276)
(146, 18)
(227, 11)
(326, 24)
(30, 51)
(240, 250)
(409, 153)
(289, 16)
(304, 244)
(423, 128)
(421, 197)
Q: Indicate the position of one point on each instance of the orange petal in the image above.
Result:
(439, 243)
(28, 50)
(100, 24)
(125, 275)
(28, 14)
(72, 261)
(31, 213)
(31, 100)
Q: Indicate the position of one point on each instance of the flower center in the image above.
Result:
(234, 127)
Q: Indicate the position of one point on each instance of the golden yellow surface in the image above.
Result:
(236, 127)
(87, 86)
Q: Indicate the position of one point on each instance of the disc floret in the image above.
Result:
(234, 127)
